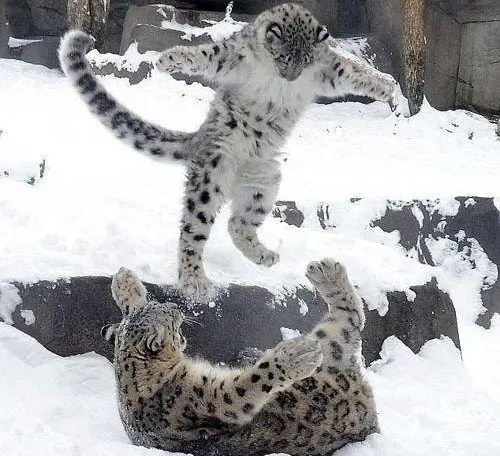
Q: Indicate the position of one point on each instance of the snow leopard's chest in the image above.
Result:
(261, 118)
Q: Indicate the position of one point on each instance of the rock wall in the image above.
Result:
(70, 313)
(463, 48)
(463, 37)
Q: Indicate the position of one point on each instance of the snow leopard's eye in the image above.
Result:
(274, 29)
(321, 34)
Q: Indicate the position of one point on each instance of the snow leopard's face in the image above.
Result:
(293, 38)
(153, 331)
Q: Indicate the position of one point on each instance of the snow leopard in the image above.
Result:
(305, 396)
(266, 76)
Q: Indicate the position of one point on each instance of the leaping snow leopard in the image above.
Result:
(267, 74)
(304, 397)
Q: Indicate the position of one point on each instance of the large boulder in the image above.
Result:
(39, 50)
(68, 316)
(462, 51)
(158, 27)
(50, 17)
(143, 25)
(472, 227)
(19, 18)
(36, 17)
(478, 82)
(4, 32)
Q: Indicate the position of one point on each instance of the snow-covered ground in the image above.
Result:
(101, 206)
(65, 406)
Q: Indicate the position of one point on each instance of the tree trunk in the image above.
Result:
(414, 53)
(90, 16)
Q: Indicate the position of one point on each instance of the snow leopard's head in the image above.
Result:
(293, 38)
(148, 329)
(152, 332)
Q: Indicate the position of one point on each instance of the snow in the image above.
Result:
(9, 300)
(426, 402)
(19, 43)
(215, 30)
(100, 206)
(289, 333)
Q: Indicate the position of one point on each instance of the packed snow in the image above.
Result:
(100, 205)
(52, 405)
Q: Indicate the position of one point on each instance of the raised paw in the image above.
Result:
(267, 257)
(174, 60)
(328, 276)
(299, 357)
(127, 290)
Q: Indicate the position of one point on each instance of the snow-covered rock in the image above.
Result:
(68, 316)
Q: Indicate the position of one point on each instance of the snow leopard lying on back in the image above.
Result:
(267, 74)
(303, 397)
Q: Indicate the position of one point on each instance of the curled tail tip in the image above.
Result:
(74, 44)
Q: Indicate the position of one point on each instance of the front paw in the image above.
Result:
(175, 60)
(399, 103)
(328, 276)
(299, 358)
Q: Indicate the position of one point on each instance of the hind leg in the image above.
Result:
(208, 183)
(252, 200)
(339, 332)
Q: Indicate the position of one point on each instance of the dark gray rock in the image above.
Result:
(443, 35)
(478, 76)
(70, 313)
(143, 71)
(481, 221)
(477, 217)
(19, 17)
(50, 17)
(4, 32)
(325, 10)
(116, 19)
(463, 39)
(385, 22)
(287, 212)
(470, 10)
(429, 316)
(143, 25)
(42, 51)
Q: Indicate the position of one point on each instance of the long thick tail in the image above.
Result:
(144, 136)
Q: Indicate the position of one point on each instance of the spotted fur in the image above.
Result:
(267, 74)
(305, 396)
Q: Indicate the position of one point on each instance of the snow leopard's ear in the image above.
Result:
(108, 332)
(274, 30)
(321, 34)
